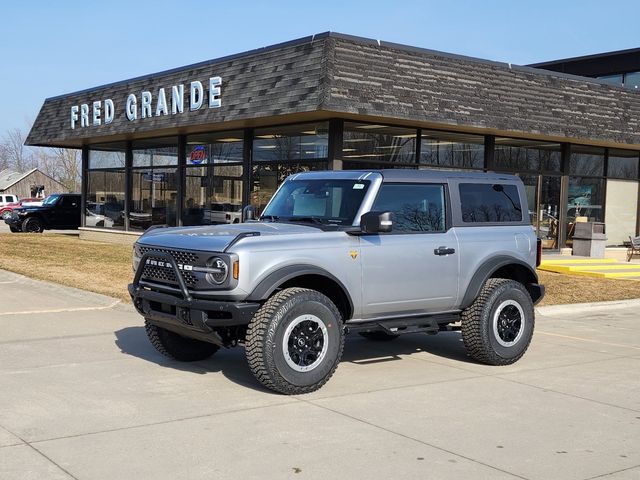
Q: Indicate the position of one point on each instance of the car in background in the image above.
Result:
(59, 211)
(5, 212)
(222, 213)
(6, 199)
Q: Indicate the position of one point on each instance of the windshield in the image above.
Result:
(50, 200)
(330, 202)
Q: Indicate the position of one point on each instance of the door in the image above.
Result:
(543, 197)
(413, 269)
(67, 212)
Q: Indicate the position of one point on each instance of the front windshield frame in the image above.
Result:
(281, 208)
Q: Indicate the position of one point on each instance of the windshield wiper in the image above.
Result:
(315, 220)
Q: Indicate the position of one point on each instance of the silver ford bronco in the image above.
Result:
(380, 253)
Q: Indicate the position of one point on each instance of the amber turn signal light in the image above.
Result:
(236, 269)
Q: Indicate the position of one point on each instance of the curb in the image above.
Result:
(590, 307)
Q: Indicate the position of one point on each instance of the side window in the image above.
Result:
(69, 202)
(416, 208)
(487, 203)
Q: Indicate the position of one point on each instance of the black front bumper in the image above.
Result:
(13, 221)
(188, 316)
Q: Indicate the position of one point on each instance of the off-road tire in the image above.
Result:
(176, 346)
(265, 338)
(478, 331)
(378, 336)
(14, 230)
(32, 225)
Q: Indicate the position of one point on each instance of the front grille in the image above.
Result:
(179, 256)
(167, 274)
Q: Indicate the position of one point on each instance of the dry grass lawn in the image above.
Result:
(98, 267)
(106, 268)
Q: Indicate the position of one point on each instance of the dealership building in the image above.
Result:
(193, 145)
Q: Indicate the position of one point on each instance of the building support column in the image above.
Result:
(84, 178)
(181, 180)
(335, 142)
(489, 153)
(564, 195)
(247, 155)
(128, 183)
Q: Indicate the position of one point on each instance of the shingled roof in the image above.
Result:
(335, 75)
(10, 177)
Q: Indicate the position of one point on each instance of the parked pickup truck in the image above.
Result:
(58, 211)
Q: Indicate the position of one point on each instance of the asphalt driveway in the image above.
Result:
(83, 395)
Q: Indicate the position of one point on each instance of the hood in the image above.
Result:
(32, 208)
(215, 238)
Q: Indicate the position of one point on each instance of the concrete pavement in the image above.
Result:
(83, 395)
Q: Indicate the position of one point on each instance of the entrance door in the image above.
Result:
(543, 197)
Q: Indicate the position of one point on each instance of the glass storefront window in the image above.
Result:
(586, 161)
(378, 143)
(154, 198)
(612, 79)
(213, 195)
(105, 199)
(108, 155)
(585, 201)
(302, 142)
(526, 155)
(157, 152)
(266, 178)
(220, 147)
(632, 80)
(623, 164)
(451, 150)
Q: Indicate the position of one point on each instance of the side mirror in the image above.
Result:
(376, 222)
(248, 213)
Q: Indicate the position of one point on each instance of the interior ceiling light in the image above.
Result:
(268, 136)
(364, 155)
(309, 132)
(228, 139)
(267, 147)
(348, 149)
(408, 135)
(353, 140)
(370, 127)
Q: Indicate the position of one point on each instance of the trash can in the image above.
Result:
(589, 239)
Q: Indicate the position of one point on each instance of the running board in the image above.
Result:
(399, 326)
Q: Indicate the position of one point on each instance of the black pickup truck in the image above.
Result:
(59, 211)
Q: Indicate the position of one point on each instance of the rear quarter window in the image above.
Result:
(490, 203)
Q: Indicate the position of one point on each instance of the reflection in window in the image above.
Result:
(616, 79)
(378, 143)
(221, 147)
(153, 198)
(155, 152)
(108, 155)
(584, 202)
(632, 80)
(307, 141)
(266, 178)
(623, 164)
(587, 161)
(213, 195)
(515, 154)
(443, 149)
(416, 208)
(490, 203)
(105, 199)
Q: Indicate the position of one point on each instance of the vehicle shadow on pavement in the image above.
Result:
(448, 345)
(360, 351)
(230, 362)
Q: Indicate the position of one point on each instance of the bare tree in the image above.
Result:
(15, 155)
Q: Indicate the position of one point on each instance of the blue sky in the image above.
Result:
(49, 48)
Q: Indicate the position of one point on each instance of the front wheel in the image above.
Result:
(176, 346)
(295, 341)
(498, 326)
(14, 230)
(32, 225)
(6, 214)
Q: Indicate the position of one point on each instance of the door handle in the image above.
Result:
(444, 251)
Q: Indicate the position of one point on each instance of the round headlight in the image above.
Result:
(219, 276)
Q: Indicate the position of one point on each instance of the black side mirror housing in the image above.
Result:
(248, 213)
(376, 222)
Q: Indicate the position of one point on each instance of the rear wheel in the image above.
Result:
(498, 326)
(176, 346)
(295, 341)
(32, 225)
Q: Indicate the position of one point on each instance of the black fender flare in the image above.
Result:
(488, 268)
(268, 285)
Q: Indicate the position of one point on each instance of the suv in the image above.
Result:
(8, 199)
(380, 253)
(59, 211)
